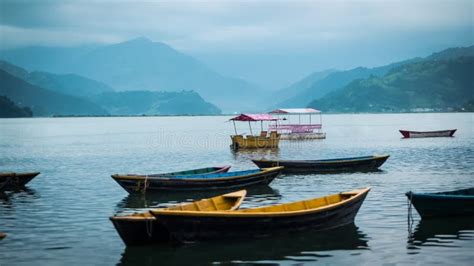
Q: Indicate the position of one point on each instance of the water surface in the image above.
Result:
(62, 218)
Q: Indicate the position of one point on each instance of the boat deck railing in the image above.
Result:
(296, 128)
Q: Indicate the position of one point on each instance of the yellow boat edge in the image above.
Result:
(241, 213)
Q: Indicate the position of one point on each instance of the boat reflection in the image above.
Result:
(19, 193)
(441, 231)
(135, 202)
(306, 246)
(247, 154)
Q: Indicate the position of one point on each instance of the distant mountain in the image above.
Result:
(44, 102)
(155, 103)
(429, 85)
(336, 80)
(452, 53)
(141, 64)
(299, 87)
(9, 109)
(49, 59)
(70, 84)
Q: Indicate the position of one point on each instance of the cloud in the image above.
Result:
(233, 25)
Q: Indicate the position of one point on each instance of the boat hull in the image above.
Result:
(255, 142)
(427, 134)
(17, 180)
(263, 177)
(196, 228)
(360, 164)
(444, 204)
(141, 232)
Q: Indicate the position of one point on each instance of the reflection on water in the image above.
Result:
(442, 232)
(19, 195)
(300, 246)
(248, 154)
(256, 195)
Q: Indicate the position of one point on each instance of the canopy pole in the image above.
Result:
(235, 128)
(321, 121)
(299, 119)
(309, 119)
(251, 133)
(261, 125)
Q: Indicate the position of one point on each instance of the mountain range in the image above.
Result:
(444, 84)
(44, 102)
(141, 64)
(50, 94)
(145, 77)
(337, 80)
(70, 84)
(155, 103)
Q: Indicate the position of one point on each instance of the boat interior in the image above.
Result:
(230, 201)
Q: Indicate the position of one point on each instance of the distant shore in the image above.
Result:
(181, 115)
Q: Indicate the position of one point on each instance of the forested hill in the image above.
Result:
(430, 85)
(155, 103)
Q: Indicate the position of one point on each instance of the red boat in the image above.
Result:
(427, 134)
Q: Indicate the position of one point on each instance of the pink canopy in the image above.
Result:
(254, 117)
(295, 111)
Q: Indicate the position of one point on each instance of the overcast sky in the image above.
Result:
(271, 43)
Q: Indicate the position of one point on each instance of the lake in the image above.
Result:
(62, 216)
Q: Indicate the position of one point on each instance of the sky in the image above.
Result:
(269, 43)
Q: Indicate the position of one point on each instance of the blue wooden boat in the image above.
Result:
(353, 164)
(232, 180)
(443, 204)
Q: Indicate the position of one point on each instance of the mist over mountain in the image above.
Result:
(141, 64)
(49, 59)
(429, 85)
(70, 84)
(44, 102)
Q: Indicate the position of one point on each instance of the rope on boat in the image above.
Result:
(145, 184)
(149, 227)
(410, 214)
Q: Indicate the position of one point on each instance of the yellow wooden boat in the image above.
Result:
(143, 228)
(316, 214)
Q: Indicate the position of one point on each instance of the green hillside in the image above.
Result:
(155, 103)
(336, 80)
(44, 102)
(10, 109)
(430, 85)
(70, 84)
